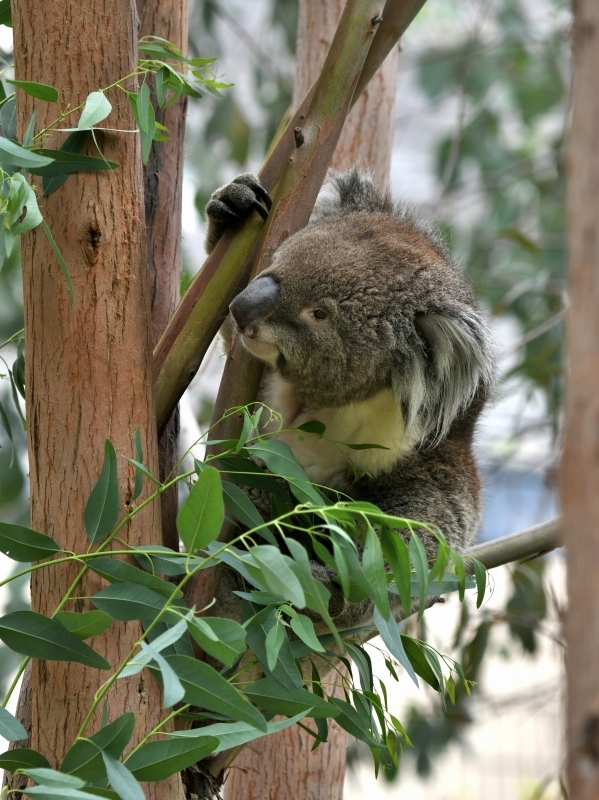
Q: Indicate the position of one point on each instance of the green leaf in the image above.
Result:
(97, 107)
(157, 761)
(22, 758)
(17, 156)
(28, 138)
(362, 661)
(24, 544)
(200, 520)
(460, 572)
(138, 464)
(419, 662)
(59, 793)
(234, 734)
(72, 144)
(273, 643)
(143, 111)
(129, 601)
(66, 162)
(374, 570)
(418, 556)
(53, 778)
(33, 216)
(122, 781)
(10, 727)
(276, 575)
(140, 471)
(161, 78)
(167, 638)
(286, 671)
(276, 699)
(350, 720)
(84, 624)
(365, 446)
(313, 426)
(390, 635)
(163, 559)
(102, 508)
(8, 118)
(279, 459)
(242, 508)
(204, 687)
(32, 634)
(173, 689)
(303, 627)
(480, 573)
(84, 758)
(398, 558)
(117, 571)
(5, 13)
(221, 638)
(62, 263)
(245, 471)
(41, 91)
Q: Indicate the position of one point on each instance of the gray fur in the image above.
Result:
(400, 319)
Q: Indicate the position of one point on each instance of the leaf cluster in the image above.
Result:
(364, 547)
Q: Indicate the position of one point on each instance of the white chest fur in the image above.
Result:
(328, 461)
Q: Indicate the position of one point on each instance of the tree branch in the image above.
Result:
(525, 544)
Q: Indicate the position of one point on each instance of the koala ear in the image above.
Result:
(453, 358)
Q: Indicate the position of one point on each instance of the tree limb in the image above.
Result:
(525, 544)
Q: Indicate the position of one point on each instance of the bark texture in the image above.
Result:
(580, 465)
(163, 181)
(281, 766)
(89, 365)
(368, 132)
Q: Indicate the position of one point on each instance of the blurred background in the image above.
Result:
(479, 130)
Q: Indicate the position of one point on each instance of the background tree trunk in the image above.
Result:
(367, 135)
(580, 464)
(163, 182)
(89, 366)
(282, 766)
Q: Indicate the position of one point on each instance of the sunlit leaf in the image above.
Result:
(201, 517)
(97, 107)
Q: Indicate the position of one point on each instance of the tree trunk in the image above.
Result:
(282, 766)
(163, 181)
(89, 365)
(580, 464)
(367, 135)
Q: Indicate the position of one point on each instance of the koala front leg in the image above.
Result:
(234, 202)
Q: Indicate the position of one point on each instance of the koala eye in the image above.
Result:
(312, 315)
(318, 313)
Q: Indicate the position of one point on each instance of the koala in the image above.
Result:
(365, 324)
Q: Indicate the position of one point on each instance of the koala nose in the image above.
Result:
(254, 304)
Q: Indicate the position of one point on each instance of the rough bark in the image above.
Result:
(89, 365)
(580, 464)
(282, 765)
(368, 131)
(163, 181)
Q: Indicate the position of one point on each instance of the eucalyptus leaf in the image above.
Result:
(156, 761)
(17, 156)
(85, 624)
(390, 635)
(204, 687)
(41, 91)
(65, 162)
(129, 601)
(221, 638)
(235, 734)
(202, 515)
(51, 777)
(72, 144)
(102, 508)
(22, 758)
(122, 781)
(276, 699)
(97, 107)
(242, 508)
(24, 544)
(140, 470)
(10, 727)
(117, 571)
(33, 634)
(84, 758)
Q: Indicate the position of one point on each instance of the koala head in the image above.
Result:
(361, 301)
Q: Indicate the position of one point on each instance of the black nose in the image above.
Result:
(256, 302)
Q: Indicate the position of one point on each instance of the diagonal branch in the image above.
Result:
(525, 544)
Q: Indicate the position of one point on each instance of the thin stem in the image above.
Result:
(156, 729)
(11, 688)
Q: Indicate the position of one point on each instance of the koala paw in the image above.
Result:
(235, 201)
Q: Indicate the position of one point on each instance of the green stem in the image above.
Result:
(11, 688)
(160, 725)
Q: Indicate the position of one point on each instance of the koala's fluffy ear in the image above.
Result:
(452, 359)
